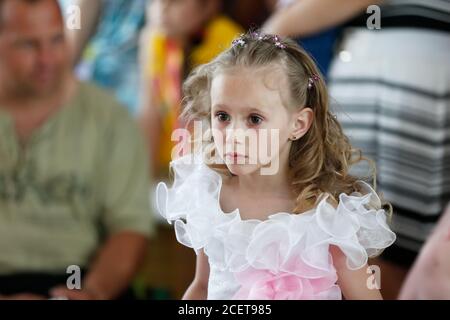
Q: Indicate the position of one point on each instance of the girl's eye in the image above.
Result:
(255, 120)
(222, 116)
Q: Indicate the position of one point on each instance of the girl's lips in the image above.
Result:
(235, 155)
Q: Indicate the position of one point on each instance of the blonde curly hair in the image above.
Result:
(319, 161)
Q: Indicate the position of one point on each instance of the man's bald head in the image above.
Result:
(28, 2)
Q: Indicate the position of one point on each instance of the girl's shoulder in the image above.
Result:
(191, 202)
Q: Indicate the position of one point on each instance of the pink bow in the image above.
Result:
(265, 285)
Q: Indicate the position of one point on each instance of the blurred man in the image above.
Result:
(73, 175)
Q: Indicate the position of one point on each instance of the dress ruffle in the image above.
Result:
(287, 251)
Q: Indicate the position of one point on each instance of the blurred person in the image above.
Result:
(73, 170)
(430, 276)
(316, 25)
(391, 91)
(105, 49)
(298, 18)
(171, 47)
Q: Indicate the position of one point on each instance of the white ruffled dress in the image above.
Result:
(284, 257)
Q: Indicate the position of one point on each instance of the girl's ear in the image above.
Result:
(302, 122)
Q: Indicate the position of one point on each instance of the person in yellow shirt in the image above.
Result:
(181, 35)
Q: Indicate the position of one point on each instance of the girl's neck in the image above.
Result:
(278, 184)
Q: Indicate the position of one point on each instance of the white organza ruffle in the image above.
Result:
(284, 243)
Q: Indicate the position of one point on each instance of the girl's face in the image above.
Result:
(251, 126)
(181, 18)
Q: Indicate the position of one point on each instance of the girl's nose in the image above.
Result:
(236, 133)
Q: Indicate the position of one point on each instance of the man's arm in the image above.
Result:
(198, 289)
(124, 210)
(306, 17)
(429, 278)
(116, 263)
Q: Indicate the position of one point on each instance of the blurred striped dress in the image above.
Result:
(390, 89)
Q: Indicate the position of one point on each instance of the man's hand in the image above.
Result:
(83, 294)
(429, 278)
(23, 296)
(112, 270)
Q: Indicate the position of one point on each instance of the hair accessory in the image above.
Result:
(312, 79)
(277, 42)
(255, 35)
(241, 41)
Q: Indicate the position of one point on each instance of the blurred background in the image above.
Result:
(389, 81)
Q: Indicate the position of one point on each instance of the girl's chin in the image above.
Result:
(242, 169)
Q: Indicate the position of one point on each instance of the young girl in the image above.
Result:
(304, 231)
